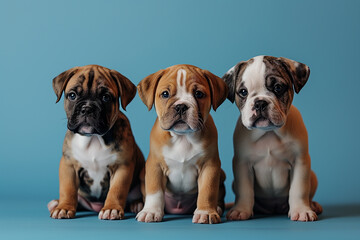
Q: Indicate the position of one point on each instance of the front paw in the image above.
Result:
(236, 214)
(111, 213)
(150, 215)
(303, 214)
(63, 212)
(206, 216)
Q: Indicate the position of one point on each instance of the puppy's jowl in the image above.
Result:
(183, 173)
(271, 164)
(101, 163)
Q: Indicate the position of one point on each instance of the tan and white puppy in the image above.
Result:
(183, 169)
(271, 164)
(101, 164)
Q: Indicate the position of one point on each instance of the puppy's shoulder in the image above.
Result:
(295, 126)
(120, 134)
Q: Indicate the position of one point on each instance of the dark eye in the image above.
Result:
(106, 98)
(278, 88)
(243, 92)
(165, 94)
(199, 94)
(72, 96)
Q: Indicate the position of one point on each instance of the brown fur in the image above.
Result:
(127, 169)
(211, 190)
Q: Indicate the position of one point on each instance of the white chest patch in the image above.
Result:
(181, 157)
(94, 156)
(272, 157)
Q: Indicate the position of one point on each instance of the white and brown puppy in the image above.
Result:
(101, 163)
(183, 169)
(271, 164)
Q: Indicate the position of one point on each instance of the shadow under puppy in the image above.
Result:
(271, 164)
(101, 163)
(183, 169)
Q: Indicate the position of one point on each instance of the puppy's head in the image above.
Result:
(92, 97)
(263, 89)
(183, 96)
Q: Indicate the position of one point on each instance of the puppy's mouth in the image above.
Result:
(264, 123)
(180, 126)
(261, 122)
(86, 130)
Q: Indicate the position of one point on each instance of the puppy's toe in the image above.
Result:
(62, 213)
(219, 210)
(238, 214)
(150, 215)
(303, 214)
(52, 205)
(111, 214)
(316, 207)
(136, 207)
(206, 217)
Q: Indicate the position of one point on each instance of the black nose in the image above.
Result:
(86, 110)
(261, 105)
(181, 108)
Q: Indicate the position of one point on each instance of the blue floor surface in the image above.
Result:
(30, 220)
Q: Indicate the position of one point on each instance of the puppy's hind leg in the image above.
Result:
(52, 204)
(221, 202)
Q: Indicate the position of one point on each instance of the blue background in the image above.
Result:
(41, 39)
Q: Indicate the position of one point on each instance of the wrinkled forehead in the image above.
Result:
(254, 74)
(275, 68)
(91, 79)
(258, 71)
(182, 77)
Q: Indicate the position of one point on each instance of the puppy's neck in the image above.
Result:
(86, 141)
(191, 137)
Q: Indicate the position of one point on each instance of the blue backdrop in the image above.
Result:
(40, 39)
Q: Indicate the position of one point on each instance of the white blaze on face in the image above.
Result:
(183, 96)
(254, 79)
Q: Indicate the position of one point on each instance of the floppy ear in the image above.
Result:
(60, 82)
(147, 88)
(126, 89)
(230, 79)
(298, 72)
(218, 89)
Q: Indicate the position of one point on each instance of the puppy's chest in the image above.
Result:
(272, 158)
(181, 158)
(94, 158)
(272, 149)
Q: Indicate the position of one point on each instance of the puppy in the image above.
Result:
(183, 172)
(101, 163)
(271, 163)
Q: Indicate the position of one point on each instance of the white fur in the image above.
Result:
(184, 97)
(231, 70)
(181, 158)
(153, 210)
(94, 156)
(254, 79)
(155, 201)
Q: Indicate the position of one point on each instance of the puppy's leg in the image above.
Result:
(299, 194)
(243, 187)
(137, 206)
(222, 192)
(116, 198)
(315, 206)
(208, 183)
(155, 182)
(69, 183)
